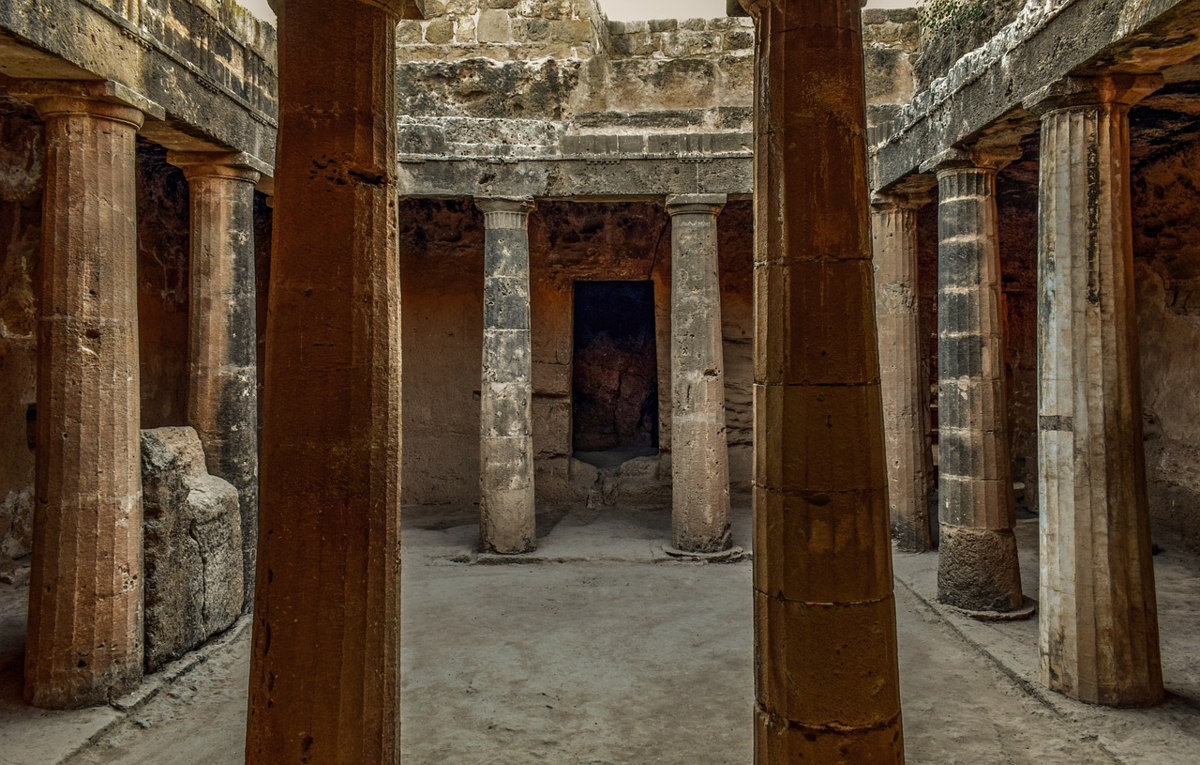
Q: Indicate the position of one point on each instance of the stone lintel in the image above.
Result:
(236, 165)
(51, 97)
(405, 9)
(1108, 89)
(691, 204)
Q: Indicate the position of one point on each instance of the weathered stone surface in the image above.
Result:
(1099, 624)
(825, 636)
(222, 341)
(325, 665)
(977, 564)
(84, 640)
(700, 519)
(193, 546)
(507, 507)
(903, 370)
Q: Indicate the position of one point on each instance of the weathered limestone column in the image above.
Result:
(978, 568)
(905, 383)
(222, 338)
(507, 509)
(84, 642)
(1099, 622)
(325, 663)
(699, 453)
(828, 689)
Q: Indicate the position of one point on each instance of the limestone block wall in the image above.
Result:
(442, 281)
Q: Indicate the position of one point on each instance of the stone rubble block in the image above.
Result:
(193, 543)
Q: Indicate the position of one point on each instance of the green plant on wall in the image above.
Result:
(938, 16)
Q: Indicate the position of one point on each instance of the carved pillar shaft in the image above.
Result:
(978, 568)
(699, 455)
(507, 504)
(905, 384)
(222, 339)
(1099, 624)
(324, 685)
(84, 642)
(825, 619)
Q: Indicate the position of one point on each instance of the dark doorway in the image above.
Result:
(615, 403)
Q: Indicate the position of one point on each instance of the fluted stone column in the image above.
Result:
(978, 568)
(699, 453)
(1099, 622)
(84, 642)
(825, 618)
(222, 332)
(325, 662)
(507, 509)
(904, 378)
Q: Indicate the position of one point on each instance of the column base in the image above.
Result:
(978, 570)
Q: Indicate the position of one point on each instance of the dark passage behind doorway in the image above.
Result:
(615, 401)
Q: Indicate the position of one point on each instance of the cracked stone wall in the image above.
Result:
(1166, 212)
(21, 152)
(442, 280)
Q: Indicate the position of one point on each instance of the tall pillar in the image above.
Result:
(825, 621)
(507, 509)
(699, 453)
(978, 568)
(904, 378)
(1099, 623)
(84, 642)
(222, 339)
(325, 662)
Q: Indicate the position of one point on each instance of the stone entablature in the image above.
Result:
(203, 70)
(982, 94)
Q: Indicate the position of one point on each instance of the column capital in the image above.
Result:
(1082, 92)
(506, 213)
(756, 7)
(992, 158)
(237, 166)
(105, 99)
(693, 204)
(901, 200)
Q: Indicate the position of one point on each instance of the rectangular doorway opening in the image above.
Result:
(615, 370)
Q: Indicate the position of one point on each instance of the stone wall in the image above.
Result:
(164, 244)
(1166, 211)
(442, 281)
(21, 152)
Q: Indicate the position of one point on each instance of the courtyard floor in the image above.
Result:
(602, 651)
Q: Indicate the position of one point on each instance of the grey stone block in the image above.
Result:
(193, 546)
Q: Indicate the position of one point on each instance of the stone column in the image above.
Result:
(699, 454)
(507, 509)
(325, 663)
(825, 620)
(84, 642)
(1099, 622)
(977, 559)
(905, 382)
(222, 338)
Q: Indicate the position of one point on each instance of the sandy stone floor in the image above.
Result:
(605, 654)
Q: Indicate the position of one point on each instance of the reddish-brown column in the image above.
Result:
(905, 383)
(825, 621)
(1099, 624)
(222, 332)
(84, 644)
(324, 685)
